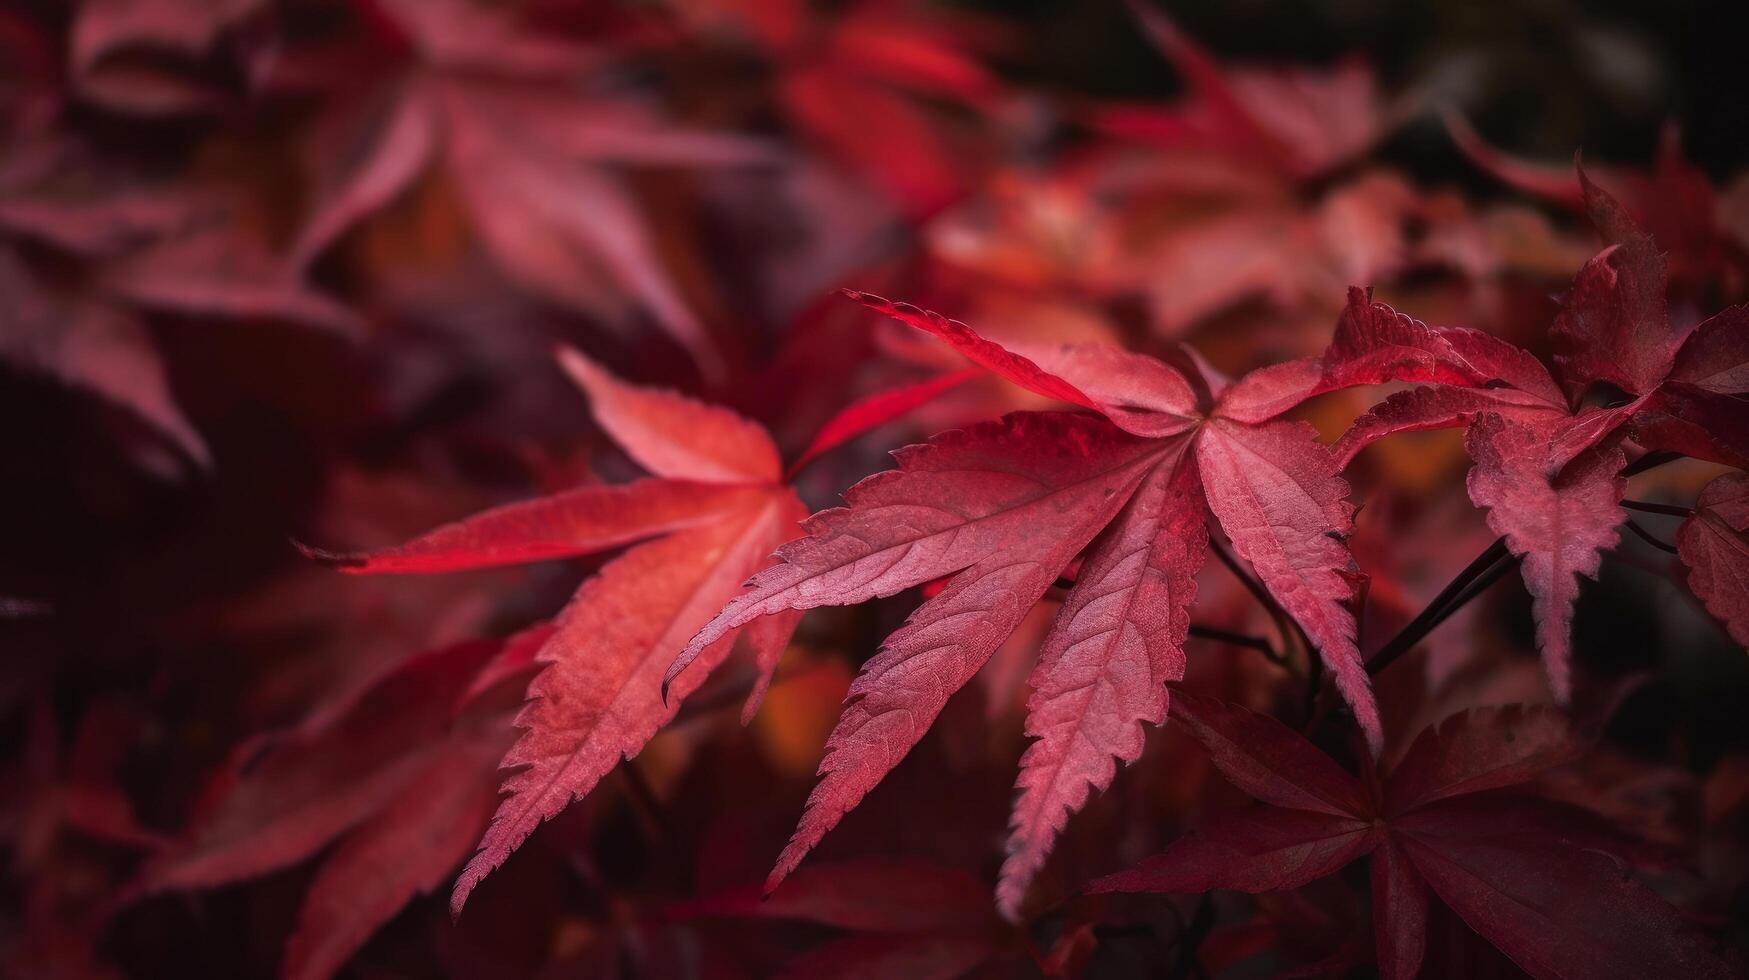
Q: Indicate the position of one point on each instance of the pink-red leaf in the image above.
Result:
(877, 410)
(1558, 911)
(1715, 357)
(924, 956)
(984, 353)
(1103, 668)
(1270, 761)
(965, 497)
(280, 807)
(672, 435)
(1277, 495)
(601, 697)
(1477, 750)
(1559, 522)
(407, 849)
(1614, 326)
(867, 896)
(1257, 850)
(1420, 409)
(400, 152)
(1065, 493)
(575, 522)
(1399, 912)
(1714, 544)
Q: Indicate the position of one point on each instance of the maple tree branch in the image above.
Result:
(1286, 625)
(1668, 510)
(1649, 538)
(1258, 643)
(1649, 461)
(1448, 601)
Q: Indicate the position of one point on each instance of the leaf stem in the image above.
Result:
(1668, 510)
(1649, 461)
(1649, 538)
(1286, 625)
(1246, 640)
(1450, 599)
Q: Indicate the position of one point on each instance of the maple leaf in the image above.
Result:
(146, 56)
(1531, 876)
(1297, 122)
(115, 246)
(404, 776)
(923, 920)
(715, 508)
(1268, 242)
(998, 510)
(859, 84)
(1547, 461)
(1714, 544)
(1246, 149)
(79, 792)
(422, 832)
(1673, 198)
(466, 84)
(282, 798)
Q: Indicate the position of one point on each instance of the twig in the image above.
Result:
(1452, 596)
(1650, 461)
(1647, 536)
(1668, 510)
(1245, 640)
(1286, 625)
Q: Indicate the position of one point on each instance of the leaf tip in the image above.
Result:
(340, 560)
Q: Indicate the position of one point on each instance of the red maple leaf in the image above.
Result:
(1000, 509)
(404, 776)
(1298, 123)
(1714, 544)
(1531, 876)
(1548, 459)
(166, 57)
(1673, 199)
(532, 155)
(86, 247)
(1249, 149)
(717, 506)
(923, 920)
(867, 84)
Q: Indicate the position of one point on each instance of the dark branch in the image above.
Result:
(1650, 461)
(1647, 536)
(1245, 640)
(1668, 510)
(1449, 600)
(1285, 624)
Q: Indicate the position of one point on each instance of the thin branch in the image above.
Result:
(1668, 510)
(1286, 625)
(1245, 640)
(1647, 536)
(1650, 461)
(1452, 596)
(1477, 587)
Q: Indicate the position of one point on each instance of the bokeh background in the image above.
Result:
(294, 271)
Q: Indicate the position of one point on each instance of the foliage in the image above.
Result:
(443, 406)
